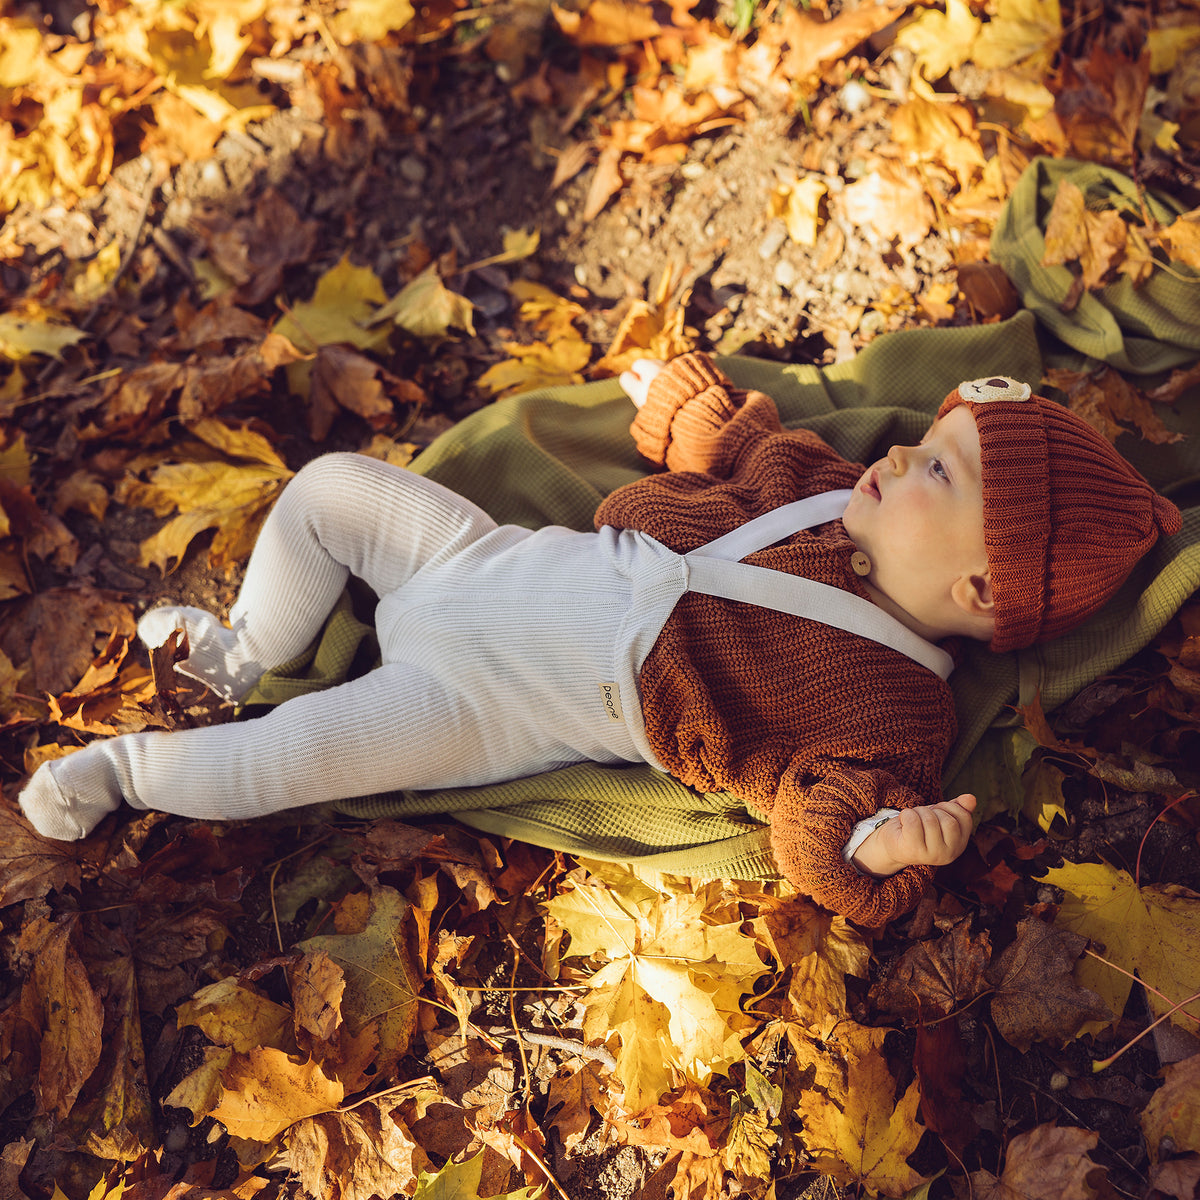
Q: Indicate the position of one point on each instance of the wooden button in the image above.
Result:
(861, 563)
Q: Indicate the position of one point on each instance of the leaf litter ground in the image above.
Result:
(984, 988)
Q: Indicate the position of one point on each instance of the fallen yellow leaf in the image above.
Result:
(672, 987)
(426, 308)
(265, 1091)
(1150, 930)
(868, 1141)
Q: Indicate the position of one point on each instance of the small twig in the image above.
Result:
(537, 1158)
(1137, 870)
(1100, 1064)
(512, 1016)
(400, 1087)
(600, 1054)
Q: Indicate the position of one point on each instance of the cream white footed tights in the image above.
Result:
(342, 514)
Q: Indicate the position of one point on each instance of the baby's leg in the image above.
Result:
(394, 728)
(342, 514)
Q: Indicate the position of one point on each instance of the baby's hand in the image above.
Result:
(929, 835)
(637, 380)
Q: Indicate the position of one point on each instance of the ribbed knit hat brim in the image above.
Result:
(1065, 517)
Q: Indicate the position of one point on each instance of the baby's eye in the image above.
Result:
(938, 469)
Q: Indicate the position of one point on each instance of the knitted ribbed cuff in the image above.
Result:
(683, 379)
(810, 829)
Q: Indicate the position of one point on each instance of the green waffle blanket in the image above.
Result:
(550, 456)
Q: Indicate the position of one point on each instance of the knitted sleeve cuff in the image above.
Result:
(690, 396)
(809, 829)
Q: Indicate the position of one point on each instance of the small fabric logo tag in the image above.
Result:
(612, 701)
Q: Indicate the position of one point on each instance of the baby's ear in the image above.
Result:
(973, 595)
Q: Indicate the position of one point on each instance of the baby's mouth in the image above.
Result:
(871, 485)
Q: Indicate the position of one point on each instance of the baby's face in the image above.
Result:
(918, 515)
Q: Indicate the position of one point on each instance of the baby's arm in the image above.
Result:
(929, 835)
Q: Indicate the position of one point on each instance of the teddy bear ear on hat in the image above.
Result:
(994, 387)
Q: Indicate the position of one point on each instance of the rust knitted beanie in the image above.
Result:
(1065, 517)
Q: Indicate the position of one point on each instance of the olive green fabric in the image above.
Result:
(1138, 330)
(550, 456)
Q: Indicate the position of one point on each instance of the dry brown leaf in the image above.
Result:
(1109, 403)
(892, 207)
(69, 1012)
(1182, 239)
(607, 23)
(1096, 241)
(1173, 1113)
(265, 1091)
(934, 978)
(1036, 998)
(575, 1093)
(1047, 1163)
(821, 948)
(31, 865)
(362, 1153)
(381, 982)
(1150, 930)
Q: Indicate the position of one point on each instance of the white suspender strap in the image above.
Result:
(713, 570)
(816, 601)
(775, 525)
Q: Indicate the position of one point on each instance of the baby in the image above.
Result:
(804, 678)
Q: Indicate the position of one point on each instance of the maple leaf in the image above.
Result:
(265, 1091)
(672, 985)
(940, 41)
(1149, 930)
(344, 379)
(821, 948)
(936, 977)
(31, 865)
(69, 1012)
(1021, 31)
(572, 1096)
(113, 1111)
(558, 360)
(426, 308)
(1047, 1161)
(1173, 1112)
(231, 1014)
(1036, 997)
(1110, 404)
(343, 306)
(381, 981)
(356, 1155)
(870, 1139)
(1074, 234)
(1182, 239)
(651, 328)
(460, 1181)
(210, 493)
(110, 695)
(940, 1061)
(889, 205)
(753, 1127)
(607, 23)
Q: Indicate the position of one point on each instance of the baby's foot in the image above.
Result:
(62, 810)
(215, 658)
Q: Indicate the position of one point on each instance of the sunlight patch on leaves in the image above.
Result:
(209, 492)
(671, 989)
